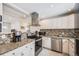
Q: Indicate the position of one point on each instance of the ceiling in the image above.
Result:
(45, 9)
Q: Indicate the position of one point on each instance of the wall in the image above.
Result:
(8, 18)
(60, 32)
(34, 28)
(66, 22)
(1, 15)
(77, 20)
(14, 18)
(0, 8)
(77, 16)
(25, 23)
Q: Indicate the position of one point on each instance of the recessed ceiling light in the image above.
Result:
(69, 9)
(24, 15)
(51, 6)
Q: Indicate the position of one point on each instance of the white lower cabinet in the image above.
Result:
(65, 46)
(29, 50)
(72, 47)
(26, 50)
(68, 46)
(46, 42)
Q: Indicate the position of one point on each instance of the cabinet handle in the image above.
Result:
(31, 48)
(13, 53)
(26, 46)
(22, 54)
(72, 46)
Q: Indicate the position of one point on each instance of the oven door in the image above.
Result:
(38, 46)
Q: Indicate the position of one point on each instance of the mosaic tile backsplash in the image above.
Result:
(62, 32)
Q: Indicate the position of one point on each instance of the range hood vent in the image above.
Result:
(34, 19)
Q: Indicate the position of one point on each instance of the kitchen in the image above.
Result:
(49, 29)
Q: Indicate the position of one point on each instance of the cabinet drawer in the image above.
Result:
(46, 42)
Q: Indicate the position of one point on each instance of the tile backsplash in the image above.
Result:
(63, 32)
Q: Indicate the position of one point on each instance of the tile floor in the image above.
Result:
(46, 52)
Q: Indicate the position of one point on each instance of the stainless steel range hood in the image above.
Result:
(34, 19)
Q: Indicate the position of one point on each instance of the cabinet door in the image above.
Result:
(6, 27)
(28, 50)
(25, 51)
(46, 42)
(65, 46)
(31, 49)
(72, 47)
(0, 27)
(19, 51)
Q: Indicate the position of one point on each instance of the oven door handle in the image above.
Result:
(38, 40)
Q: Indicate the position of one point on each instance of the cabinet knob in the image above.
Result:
(13, 53)
(26, 46)
(31, 48)
(72, 46)
(22, 54)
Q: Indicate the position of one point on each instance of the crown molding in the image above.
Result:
(16, 8)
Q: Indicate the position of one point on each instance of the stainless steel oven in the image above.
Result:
(38, 46)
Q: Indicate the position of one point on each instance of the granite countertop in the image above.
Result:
(11, 46)
(64, 37)
(60, 37)
(5, 33)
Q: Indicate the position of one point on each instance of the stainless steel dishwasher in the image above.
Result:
(56, 44)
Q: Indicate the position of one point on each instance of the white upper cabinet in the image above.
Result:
(66, 22)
